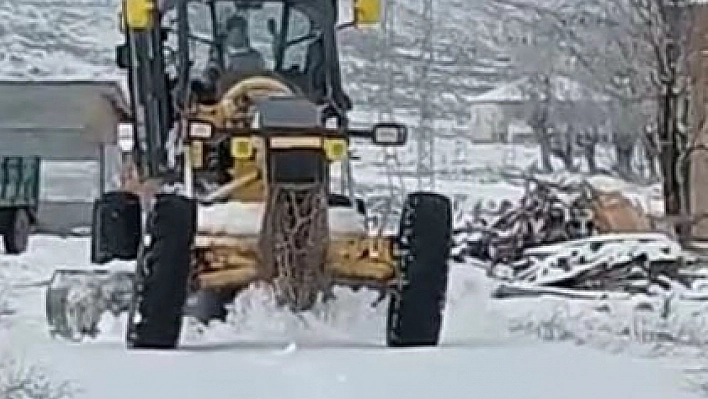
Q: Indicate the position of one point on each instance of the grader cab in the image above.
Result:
(240, 174)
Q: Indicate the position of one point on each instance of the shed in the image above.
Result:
(72, 126)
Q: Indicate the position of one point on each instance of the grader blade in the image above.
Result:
(76, 299)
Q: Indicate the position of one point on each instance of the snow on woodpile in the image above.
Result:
(609, 265)
(552, 209)
(560, 238)
(240, 218)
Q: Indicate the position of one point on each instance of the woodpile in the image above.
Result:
(574, 241)
(547, 213)
(598, 267)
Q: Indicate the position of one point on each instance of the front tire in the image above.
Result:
(416, 309)
(162, 275)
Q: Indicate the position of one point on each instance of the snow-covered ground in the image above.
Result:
(522, 348)
(334, 353)
(491, 349)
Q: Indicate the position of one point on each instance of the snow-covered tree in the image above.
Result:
(619, 48)
(26, 381)
(20, 381)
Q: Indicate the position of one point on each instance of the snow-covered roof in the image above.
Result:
(50, 101)
(564, 89)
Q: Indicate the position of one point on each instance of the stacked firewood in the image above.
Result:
(571, 240)
(648, 263)
(547, 213)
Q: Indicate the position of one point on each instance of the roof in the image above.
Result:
(58, 103)
(564, 89)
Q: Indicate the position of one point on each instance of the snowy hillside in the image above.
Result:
(48, 38)
(76, 39)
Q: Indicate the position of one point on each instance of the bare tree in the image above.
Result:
(19, 381)
(624, 49)
(537, 60)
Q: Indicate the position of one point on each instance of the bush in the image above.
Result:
(19, 381)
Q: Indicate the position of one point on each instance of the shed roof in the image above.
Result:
(57, 103)
(564, 89)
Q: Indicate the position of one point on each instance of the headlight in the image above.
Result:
(200, 130)
(335, 149)
(242, 148)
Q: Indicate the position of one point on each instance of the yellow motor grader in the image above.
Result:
(238, 172)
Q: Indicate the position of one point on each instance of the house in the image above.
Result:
(72, 126)
(502, 114)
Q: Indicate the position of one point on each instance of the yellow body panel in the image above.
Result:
(242, 148)
(232, 261)
(252, 187)
(367, 12)
(289, 143)
(139, 13)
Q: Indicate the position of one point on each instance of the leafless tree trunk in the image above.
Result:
(616, 47)
(540, 123)
(587, 140)
(624, 150)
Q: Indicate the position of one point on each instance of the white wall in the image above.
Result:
(486, 122)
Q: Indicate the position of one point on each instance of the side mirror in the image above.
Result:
(122, 56)
(366, 12)
(126, 137)
(389, 134)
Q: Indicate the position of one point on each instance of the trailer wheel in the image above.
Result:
(162, 275)
(416, 309)
(16, 236)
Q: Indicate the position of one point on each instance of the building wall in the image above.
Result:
(698, 65)
(487, 123)
(71, 126)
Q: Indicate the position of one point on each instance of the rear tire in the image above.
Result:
(16, 237)
(415, 311)
(162, 275)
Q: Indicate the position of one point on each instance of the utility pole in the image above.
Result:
(386, 60)
(394, 179)
(425, 138)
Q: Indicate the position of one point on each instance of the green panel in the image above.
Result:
(19, 181)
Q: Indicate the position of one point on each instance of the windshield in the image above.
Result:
(273, 37)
